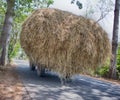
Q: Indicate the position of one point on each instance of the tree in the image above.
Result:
(42, 3)
(21, 9)
(14, 44)
(104, 7)
(5, 35)
(112, 70)
(78, 3)
(101, 8)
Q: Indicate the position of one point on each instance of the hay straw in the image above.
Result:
(64, 42)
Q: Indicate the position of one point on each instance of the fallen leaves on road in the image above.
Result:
(11, 87)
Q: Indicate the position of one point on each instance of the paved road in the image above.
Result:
(49, 87)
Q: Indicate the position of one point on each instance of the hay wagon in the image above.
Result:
(64, 42)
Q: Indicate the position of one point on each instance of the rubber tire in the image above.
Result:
(41, 72)
(32, 67)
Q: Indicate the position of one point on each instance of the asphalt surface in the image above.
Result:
(50, 88)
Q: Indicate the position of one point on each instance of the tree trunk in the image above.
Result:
(112, 70)
(5, 35)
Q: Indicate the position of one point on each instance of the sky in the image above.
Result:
(65, 5)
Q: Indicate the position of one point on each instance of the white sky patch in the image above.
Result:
(66, 6)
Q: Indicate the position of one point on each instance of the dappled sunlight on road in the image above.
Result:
(81, 88)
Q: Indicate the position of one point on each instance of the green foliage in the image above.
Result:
(78, 3)
(118, 62)
(49, 2)
(42, 3)
(14, 41)
(22, 9)
(13, 52)
(104, 70)
(2, 14)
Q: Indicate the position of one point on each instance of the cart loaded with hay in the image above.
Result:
(63, 42)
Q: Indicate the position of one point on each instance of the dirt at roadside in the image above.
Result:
(115, 82)
(11, 88)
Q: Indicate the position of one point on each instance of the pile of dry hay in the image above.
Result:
(64, 42)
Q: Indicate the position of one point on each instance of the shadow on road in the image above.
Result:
(82, 88)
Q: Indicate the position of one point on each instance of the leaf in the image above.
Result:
(79, 4)
(72, 2)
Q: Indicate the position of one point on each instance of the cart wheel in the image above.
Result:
(41, 72)
(32, 67)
